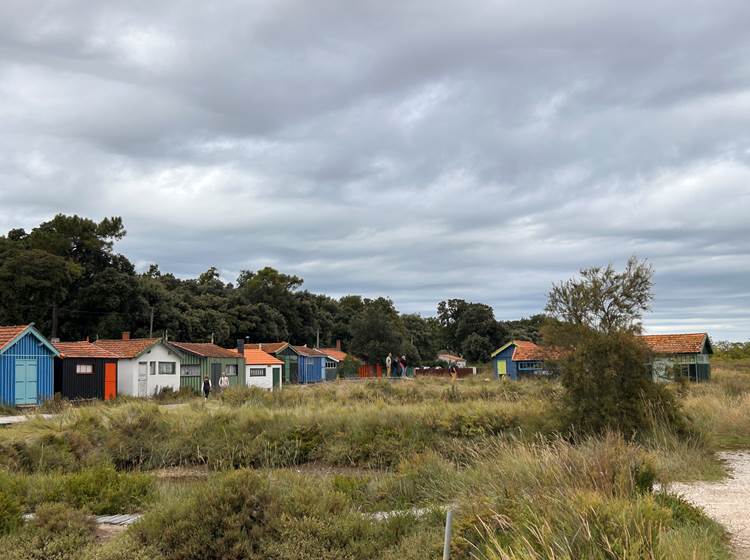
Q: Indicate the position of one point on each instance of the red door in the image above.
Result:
(110, 381)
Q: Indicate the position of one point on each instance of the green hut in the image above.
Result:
(284, 352)
(205, 359)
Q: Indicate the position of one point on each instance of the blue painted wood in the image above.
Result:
(311, 369)
(510, 366)
(31, 346)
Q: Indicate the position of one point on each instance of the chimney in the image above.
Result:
(87, 339)
(126, 335)
(241, 346)
(338, 344)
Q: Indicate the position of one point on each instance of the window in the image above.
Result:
(526, 366)
(230, 370)
(190, 370)
(84, 369)
(152, 368)
(167, 368)
(256, 372)
(330, 364)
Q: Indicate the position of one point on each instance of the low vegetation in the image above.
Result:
(303, 472)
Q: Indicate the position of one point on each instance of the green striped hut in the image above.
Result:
(205, 359)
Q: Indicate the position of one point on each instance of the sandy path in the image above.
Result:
(728, 501)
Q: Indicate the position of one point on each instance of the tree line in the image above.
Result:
(65, 276)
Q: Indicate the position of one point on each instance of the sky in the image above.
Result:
(419, 150)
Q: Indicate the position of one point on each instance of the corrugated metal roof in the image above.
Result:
(270, 347)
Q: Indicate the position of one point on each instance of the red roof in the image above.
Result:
(82, 349)
(270, 347)
(9, 333)
(335, 353)
(205, 349)
(127, 349)
(528, 351)
(675, 343)
(254, 357)
(307, 351)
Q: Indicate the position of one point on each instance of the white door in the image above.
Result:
(142, 379)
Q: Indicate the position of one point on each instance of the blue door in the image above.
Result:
(26, 382)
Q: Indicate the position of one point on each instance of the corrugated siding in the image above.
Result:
(311, 369)
(73, 385)
(28, 347)
(510, 365)
(196, 381)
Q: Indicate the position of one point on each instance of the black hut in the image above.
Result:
(85, 371)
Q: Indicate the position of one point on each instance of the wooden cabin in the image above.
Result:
(311, 364)
(334, 356)
(26, 366)
(284, 352)
(85, 371)
(518, 358)
(145, 366)
(262, 369)
(680, 355)
(206, 359)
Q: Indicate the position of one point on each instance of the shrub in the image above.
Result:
(10, 513)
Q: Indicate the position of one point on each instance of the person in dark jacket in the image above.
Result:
(402, 363)
(206, 387)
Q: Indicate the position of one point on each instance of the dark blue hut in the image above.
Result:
(26, 366)
(311, 364)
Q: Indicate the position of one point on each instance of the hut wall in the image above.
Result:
(73, 385)
(27, 347)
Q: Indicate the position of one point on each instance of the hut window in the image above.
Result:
(152, 368)
(84, 369)
(190, 370)
(529, 365)
(230, 370)
(256, 372)
(330, 364)
(167, 368)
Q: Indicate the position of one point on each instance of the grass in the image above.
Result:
(299, 473)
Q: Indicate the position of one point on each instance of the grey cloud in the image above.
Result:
(419, 150)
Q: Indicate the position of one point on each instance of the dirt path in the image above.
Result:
(728, 501)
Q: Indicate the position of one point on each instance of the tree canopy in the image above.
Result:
(66, 277)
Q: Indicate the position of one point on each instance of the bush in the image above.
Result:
(10, 513)
(610, 388)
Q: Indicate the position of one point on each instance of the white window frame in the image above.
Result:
(229, 372)
(250, 371)
(174, 368)
(89, 369)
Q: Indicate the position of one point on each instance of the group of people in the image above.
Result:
(395, 367)
(223, 384)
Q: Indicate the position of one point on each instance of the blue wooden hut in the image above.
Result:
(311, 364)
(26, 366)
(518, 358)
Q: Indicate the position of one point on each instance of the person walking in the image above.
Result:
(402, 363)
(388, 364)
(206, 388)
(223, 382)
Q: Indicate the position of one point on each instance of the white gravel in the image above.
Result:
(728, 501)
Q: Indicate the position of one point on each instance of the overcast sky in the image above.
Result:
(420, 150)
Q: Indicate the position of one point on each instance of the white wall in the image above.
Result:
(127, 372)
(265, 382)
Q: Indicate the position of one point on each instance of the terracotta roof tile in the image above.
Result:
(270, 347)
(9, 333)
(675, 343)
(336, 354)
(82, 349)
(205, 349)
(127, 349)
(307, 351)
(527, 351)
(254, 357)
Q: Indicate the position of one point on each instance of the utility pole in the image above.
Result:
(151, 324)
(54, 320)
(317, 343)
